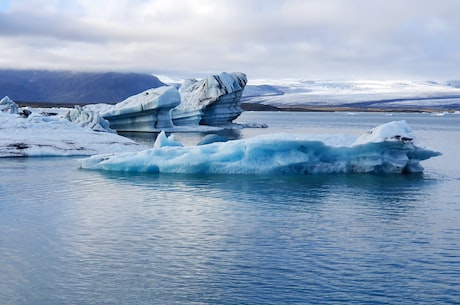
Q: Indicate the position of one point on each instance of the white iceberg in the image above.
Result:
(86, 118)
(208, 104)
(389, 148)
(32, 133)
(148, 111)
(213, 101)
(8, 106)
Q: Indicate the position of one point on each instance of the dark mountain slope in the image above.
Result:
(73, 87)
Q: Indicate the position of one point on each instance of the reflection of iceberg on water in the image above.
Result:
(388, 148)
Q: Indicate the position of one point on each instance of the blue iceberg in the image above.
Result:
(388, 148)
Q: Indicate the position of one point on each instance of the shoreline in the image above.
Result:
(338, 108)
(262, 107)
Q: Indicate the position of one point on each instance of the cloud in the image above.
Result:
(290, 38)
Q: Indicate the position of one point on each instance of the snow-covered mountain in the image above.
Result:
(354, 94)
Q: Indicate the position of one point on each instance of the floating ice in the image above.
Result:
(88, 119)
(30, 134)
(388, 148)
(145, 112)
(213, 101)
(162, 141)
(8, 106)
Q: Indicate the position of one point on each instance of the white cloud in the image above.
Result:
(290, 38)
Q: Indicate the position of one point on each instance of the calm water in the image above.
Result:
(70, 236)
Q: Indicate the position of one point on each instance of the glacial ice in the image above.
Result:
(212, 101)
(144, 112)
(392, 94)
(86, 118)
(8, 106)
(33, 133)
(388, 148)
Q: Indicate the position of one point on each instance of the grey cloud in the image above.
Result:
(59, 27)
(288, 38)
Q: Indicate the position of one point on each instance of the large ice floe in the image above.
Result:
(32, 132)
(388, 148)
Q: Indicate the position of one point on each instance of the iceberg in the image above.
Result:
(31, 133)
(147, 111)
(8, 106)
(388, 148)
(85, 118)
(197, 105)
(213, 101)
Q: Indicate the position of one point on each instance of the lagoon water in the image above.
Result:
(70, 236)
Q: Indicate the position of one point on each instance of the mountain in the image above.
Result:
(73, 87)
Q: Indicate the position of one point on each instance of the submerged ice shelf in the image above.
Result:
(388, 148)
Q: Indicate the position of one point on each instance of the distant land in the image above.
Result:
(67, 87)
(351, 95)
(44, 88)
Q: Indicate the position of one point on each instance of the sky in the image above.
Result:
(310, 39)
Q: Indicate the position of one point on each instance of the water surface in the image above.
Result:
(70, 236)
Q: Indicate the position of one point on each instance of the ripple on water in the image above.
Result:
(71, 236)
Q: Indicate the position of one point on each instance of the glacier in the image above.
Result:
(353, 94)
(388, 148)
